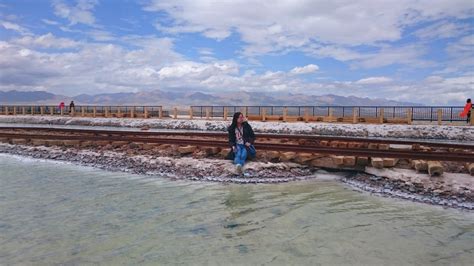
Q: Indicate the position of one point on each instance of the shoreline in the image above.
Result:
(223, 171)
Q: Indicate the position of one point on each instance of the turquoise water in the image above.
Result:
(56, 213)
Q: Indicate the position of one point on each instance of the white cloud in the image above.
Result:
(373, 80)
(80, 13)
(277, 25)
(304, 70)
(50, 22)
(15, 27)
(46, 41)
(442, 29)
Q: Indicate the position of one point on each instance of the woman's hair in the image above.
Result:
(468, 100)
(234, 120)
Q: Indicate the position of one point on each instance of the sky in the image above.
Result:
(419, 51)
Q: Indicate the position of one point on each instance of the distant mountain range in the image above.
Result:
(168, 98)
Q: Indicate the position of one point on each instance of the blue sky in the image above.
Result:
(417, 51)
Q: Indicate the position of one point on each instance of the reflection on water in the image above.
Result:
(59, 213)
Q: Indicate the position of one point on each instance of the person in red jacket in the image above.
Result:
(467, 110)
(61, 106)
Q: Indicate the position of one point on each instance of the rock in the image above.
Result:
(435, 168)
(186, 149)
(389, 162)
(287, 156)
(377, 162)
(420, 165)
(362, 161)
(349, 160)
(470, 168)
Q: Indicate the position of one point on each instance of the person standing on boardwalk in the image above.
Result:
(71, 106)
(241, 140)
(467, 110)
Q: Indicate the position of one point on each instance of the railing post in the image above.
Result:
(23, 110)
(285, 114)
(32, 110)
(409, 116)
(94, 111)
(306, 114)
(208, 116)
(42, 110)
(354, 115)
(191, 113)
(73, 111)
(62, 111)
(440, 117)
(145, 112)
(243, 111)
(225, 113)
(132, 112)
(51, 110)
(160, 112)
(381, 115)
(175, 113)
(106, 111)
(6, 110)
(264, 114)
(83, 111)
(330, 114)
(472, 118)
(14, 110)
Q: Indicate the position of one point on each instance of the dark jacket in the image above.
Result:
(248, 136)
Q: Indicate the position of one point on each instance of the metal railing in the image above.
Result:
(418, 113)
(415, 113)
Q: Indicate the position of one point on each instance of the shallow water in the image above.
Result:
(53, 213)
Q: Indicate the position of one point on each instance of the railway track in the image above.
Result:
(309, 143)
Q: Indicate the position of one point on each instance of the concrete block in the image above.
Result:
(349, 160)
(435, 168)
(287, 156)
(377, 162)
(186, 149)
(389, 162)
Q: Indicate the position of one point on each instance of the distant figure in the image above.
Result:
(71, 106)
(61, 106)
(467, 110)
(241, 139)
